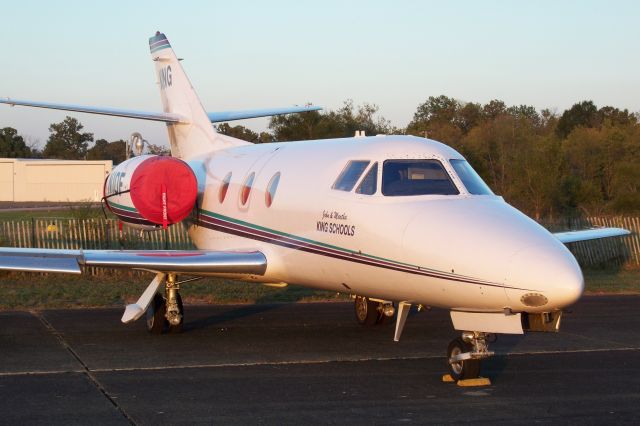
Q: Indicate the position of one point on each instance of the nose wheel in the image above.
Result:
(462, 369)
(465, 353)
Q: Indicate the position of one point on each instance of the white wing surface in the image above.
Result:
(194, 262)
(590, 234)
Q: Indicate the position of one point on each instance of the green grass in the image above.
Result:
(75, 212)
(38, 291)
(22, 291)
(612, 281)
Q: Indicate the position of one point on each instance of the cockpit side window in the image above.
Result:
(369, 183)
(416, 177)
(350, 175)
(471, 180)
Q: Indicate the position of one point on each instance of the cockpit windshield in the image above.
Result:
(416, 177)
(471, 180)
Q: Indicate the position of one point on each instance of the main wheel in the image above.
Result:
(178, 327)
(366, 311)
(155, 315)
(383, 319)
(466, 369)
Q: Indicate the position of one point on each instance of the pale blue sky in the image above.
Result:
(253, 54)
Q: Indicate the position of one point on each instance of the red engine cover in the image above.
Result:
(163, 190)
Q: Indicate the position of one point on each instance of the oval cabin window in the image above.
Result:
(246, 189)
(271, 189)
(224, 187)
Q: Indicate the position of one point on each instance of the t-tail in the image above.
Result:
(193, 134)
(190, 130)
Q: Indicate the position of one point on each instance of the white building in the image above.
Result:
(52, 180)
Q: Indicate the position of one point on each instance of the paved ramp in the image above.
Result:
(311, 363)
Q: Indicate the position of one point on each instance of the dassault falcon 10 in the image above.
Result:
(394, 221)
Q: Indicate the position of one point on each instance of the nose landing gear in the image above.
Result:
(465, 353)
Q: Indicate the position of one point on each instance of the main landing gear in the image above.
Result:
(166, 312)
(465, 353)
(371, 312)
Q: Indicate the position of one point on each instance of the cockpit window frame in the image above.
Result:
(485, 189)
(336, 184)
(438, 161)
(365, 176)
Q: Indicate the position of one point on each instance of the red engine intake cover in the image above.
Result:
(163, 190)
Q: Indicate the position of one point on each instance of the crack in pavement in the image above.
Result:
(85, 369)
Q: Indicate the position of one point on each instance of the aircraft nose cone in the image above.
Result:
(543, 278)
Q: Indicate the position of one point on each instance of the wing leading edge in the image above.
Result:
(218, 117)
(142, 115)
(590, 234)
(214, 117)
(193, 262)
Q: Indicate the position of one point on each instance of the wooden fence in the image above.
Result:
(89, 234)
(606, 252)
(105, 234)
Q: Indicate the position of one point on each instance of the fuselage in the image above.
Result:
(453, 249)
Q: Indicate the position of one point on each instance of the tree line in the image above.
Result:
(67, 141)
(583, 161)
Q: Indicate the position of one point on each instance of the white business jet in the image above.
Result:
(395, 221)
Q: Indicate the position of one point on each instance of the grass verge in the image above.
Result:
(68, 212)
(612, 281)
(22, 291)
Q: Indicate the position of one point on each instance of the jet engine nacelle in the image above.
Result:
(151, 191)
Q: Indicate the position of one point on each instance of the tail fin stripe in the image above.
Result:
(157, 42)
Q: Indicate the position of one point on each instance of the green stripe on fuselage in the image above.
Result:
(306, 240)
(120, 206)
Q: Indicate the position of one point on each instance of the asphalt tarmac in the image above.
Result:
(312, 364)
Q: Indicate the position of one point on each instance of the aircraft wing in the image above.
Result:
(218, 117)
(590, 234)
(193, 262)
(214, 117)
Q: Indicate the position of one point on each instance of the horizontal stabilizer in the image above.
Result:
(590, 234)
(218, 117)
(214, 117)
(142, 115)
(193, 262)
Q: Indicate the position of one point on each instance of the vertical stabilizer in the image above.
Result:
(193, 135)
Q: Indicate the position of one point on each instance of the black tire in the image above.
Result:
(155, 315)
(467, 369)
(367, 313)
(178, 327)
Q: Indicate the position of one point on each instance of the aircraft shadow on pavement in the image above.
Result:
(494, 366)
(262, 304)
(222, 317)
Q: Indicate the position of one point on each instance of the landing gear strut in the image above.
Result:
(166, 311)
(370, 312)
(465, 353)
(175, 311)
